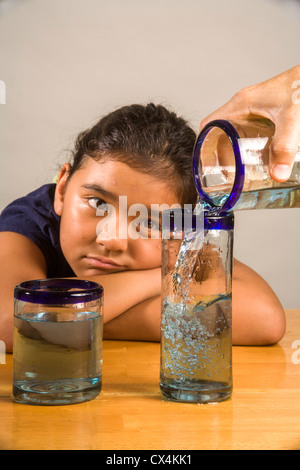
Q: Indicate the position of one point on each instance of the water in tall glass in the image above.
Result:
(196, 320)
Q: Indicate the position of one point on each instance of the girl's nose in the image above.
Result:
(110, 233)
(112, 244)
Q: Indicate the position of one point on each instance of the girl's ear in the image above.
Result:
(61, 188)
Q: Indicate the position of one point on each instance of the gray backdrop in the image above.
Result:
(67, 62)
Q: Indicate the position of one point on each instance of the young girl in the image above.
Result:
(142, 154)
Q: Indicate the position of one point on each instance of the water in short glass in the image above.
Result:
(196, 338)
(57, 341)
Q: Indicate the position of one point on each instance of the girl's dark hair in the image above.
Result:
(148, 138)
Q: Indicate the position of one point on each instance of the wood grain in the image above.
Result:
(130, 413)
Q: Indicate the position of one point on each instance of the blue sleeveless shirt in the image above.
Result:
(34, 217)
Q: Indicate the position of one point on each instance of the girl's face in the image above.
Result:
(93, 248)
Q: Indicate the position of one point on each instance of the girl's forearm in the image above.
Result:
(124, 290)
(140, 323)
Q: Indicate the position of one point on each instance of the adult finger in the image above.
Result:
(283, 150)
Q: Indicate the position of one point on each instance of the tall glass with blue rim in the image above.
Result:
(196, 320)
(57, 349)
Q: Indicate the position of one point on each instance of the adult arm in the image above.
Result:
(277, 99)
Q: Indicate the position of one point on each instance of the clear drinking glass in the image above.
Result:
(231, 168)
(57, 348)
(196, 322)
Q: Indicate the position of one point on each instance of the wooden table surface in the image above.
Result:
(130, 413)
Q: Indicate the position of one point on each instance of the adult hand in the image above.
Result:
(277, 99)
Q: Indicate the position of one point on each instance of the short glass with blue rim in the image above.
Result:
(57, 348)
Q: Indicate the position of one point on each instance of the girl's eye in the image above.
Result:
(149, 226)
(98, 204)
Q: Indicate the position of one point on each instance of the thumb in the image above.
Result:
(283, 149)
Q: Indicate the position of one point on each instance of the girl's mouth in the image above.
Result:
(102, 263)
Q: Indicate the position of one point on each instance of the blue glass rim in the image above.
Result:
(239, 179)
(58, 291)
(224, 221)
(177, 220)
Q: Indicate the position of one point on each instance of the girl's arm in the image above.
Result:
(21, 260)
(141, 322)
(126, 289)
(132, 298)
(257, 315)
